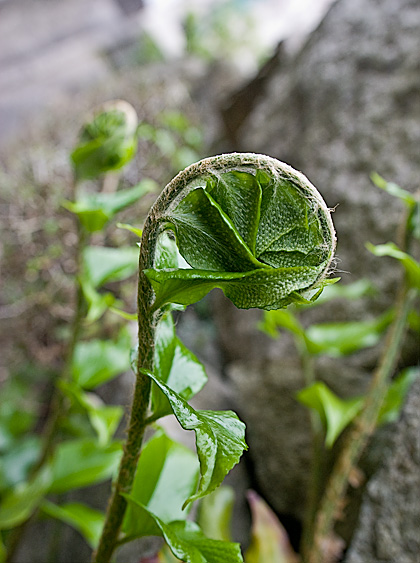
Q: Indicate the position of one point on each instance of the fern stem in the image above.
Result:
(174, 192)
(137, 423)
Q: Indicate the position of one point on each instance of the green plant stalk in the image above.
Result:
(137, 424)
(363, 428)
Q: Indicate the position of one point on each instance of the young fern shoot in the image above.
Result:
(250, 226)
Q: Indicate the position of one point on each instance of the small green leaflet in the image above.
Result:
(97, 361)
(166, 475)
(411, 266)
(188, 543)
(82, 462)
(393, 189)
(332, 339)
(127, 227)
(104, 264)
(335, 413)
(18, 459)
(18, 504)
(355, 290)
(96, 209)
(220, 439)
(97, 302)
(341, 339)
(103, 418)
(86, 520)
(396, 395)
(176, 366)
(412, 201)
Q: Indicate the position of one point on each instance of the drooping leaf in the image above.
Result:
(411, 266)
(96, 209)
(82, 462)
(220, 439)
(269, 540)
(97, 361)
(176, 366)
(215, 513)
(86, 520)
(396, 395)
(189, 544)
(107, 141)
(343, 338)
(18, 505)
(265, 288)
(103, 264)
(335, 413)
(166, 475)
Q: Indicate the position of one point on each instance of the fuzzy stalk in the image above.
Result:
(137, 423)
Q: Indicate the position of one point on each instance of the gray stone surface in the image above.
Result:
(389, 526)
(348, 104)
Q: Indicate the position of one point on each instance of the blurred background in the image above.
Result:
(331, 87)
(51, 49)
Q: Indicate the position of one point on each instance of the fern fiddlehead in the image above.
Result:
(245, 223)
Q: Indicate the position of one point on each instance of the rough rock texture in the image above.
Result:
(348, 104)
(388, 531)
